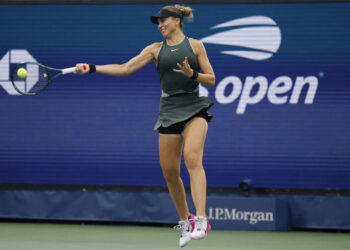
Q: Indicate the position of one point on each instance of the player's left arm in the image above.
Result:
(207, 76)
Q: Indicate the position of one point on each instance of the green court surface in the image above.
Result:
(45, 236)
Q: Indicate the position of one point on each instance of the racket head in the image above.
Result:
(38, 78)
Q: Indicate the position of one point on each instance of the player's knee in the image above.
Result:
(171, 175)
(193, 159)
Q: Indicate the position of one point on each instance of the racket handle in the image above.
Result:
(68, 70)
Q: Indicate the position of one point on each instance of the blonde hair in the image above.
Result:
(182, 10)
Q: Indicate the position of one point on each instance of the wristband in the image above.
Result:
(195, 75)
(92, 68)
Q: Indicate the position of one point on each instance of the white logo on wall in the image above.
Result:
(15, 56)
(257, 38)
(252, 217)
(259, 41)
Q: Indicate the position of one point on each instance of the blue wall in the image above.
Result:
(97, 130)
(301, 211)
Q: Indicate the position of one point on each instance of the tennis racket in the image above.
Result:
(37, 78)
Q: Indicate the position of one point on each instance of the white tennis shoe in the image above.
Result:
(186, 227)
(201, 228)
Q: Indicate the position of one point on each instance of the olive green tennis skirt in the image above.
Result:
(180, 107)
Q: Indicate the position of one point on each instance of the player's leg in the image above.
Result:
(194, 135)
(194, 138)
(170, 149)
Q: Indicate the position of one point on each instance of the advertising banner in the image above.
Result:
(281, 99)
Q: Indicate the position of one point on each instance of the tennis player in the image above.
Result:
(183, 117)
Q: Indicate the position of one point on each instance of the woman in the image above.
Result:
(183, 117)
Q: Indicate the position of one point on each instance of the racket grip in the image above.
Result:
(68, 70)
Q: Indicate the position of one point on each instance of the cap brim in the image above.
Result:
(163, 14)
(154, 19)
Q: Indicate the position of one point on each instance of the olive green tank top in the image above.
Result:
(180, 94)
(173, 82)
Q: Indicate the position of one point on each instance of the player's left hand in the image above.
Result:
(185, 68)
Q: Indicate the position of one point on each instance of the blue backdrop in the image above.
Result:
(281, 99)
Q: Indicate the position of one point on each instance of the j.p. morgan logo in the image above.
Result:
(255, 37)
(15, 56)
(251, 217)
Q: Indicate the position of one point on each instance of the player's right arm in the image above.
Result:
(134, 64)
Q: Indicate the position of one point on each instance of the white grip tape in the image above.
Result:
(68, 70)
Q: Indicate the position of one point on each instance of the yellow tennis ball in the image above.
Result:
(22, 73)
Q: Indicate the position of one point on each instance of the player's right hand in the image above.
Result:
(81, 68)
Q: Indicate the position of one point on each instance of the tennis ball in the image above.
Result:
(22, 73)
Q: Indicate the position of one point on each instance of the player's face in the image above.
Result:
(168, 25)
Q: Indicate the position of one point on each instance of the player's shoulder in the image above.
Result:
(197, 45)
(195, 41)
(154, 46)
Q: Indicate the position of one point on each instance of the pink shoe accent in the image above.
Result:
(208, 225)
(191, 220)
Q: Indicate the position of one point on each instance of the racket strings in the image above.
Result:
(42, 80)
(36, 80)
